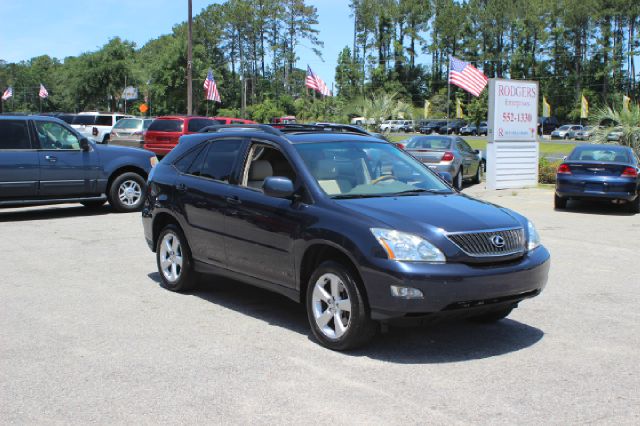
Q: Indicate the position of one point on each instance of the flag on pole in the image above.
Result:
(459, 112)
(466, 76)
(626, 100)
(314, 82)
(584, 108)
(427, 109)
(7, 93)
(546, 107)
(43, 92)
(211, 88)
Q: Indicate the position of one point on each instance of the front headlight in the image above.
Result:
(153, 160)
(534, 238)
(407, 247)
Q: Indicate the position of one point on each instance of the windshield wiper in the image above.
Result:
(347, 196)
(421, 191)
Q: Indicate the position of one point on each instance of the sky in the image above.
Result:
(64, 28)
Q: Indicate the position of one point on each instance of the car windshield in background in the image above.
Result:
(84, 119)
(167, 126)
(429, 143)
(564, 127)
(367, 169)
(602, 154)
(128, 124)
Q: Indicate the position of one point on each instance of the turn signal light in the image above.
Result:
(448, 156)
(631, 172)
(564, 169)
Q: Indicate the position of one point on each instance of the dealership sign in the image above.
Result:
(512, 151)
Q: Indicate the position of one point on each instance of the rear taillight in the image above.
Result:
(94, 132)
(400, 145)
(448, 156)
(564, 169)
(631, 172)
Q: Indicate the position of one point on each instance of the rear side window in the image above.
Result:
(104, 120)
(14, 135)
(84, 119)
(196, 124)
(220, 159)
(167, 126)
(186, 161)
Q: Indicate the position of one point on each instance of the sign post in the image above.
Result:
(513, 150)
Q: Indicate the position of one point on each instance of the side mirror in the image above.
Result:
(447, 177)
(278, 187)
(84, 144)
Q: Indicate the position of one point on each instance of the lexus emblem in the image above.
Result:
(497, 241)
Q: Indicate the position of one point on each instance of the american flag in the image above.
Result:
(314, 82)
(211, 88)
(7, 93)
(466, 76)
(43, 92)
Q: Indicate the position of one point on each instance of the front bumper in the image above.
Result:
(453, 286)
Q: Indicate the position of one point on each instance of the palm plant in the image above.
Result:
(627, 122)
(381, 106)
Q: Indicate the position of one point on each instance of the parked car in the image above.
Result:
(472, 130)
(583, 134)
(563, 132)
(599, 172)
(546, 125)
(46, 161)
(432, 127)
(164, 132)
(450, 154)
(309, 215)
(387, 125)
(615, 135)
(451, 127)
(96, 125)
(130, 132)
(233, 120)
(405, 126)
(287, 119)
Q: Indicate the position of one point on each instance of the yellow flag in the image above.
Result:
(459, 113)
(427, 109)
(546, 108)
(584, 109)
(626, 100)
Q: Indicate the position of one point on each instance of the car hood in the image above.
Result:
(433, 213)
(112, 151)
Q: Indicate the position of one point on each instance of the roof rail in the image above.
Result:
(262, 127)
(312, 128)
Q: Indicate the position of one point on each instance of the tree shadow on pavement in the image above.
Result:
(50, 212)
(442, 342)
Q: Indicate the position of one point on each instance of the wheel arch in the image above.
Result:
(160, 221)
(125, 169)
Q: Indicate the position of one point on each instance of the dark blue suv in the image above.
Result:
(45, 161)
(353, 227)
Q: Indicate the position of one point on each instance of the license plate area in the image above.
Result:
(593, 187)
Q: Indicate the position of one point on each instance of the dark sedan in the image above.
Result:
(599, 172)
(431, 127)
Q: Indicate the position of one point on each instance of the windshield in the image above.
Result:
(367, 169)
(429, 142)
(564, 127)
(128, 124)
(604, 154)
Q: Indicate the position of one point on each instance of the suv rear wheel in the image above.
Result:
(125, 193)
(336, 308)
(173, 257)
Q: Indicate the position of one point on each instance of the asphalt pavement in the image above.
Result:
(89, 336)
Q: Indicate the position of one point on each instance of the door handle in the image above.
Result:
(181, 187)
(234, 200)
(51, 158)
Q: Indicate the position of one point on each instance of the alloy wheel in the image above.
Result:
(129, 192)
(331, 306)
(171, 257)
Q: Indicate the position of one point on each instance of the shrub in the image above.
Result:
(547, 170)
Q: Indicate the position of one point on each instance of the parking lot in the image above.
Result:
(88, 335)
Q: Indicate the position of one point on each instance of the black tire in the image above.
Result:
(559, 203)
(123, 204)
(186, 278)
(360, 327)
(458, 180)
(634, 206)
(93, 204)
(492, 316)
(478, 176)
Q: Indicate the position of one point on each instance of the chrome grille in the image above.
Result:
(479, 244)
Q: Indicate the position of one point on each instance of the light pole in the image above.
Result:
(189, 65)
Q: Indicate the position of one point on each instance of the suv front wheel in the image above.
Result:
(126, 192)
(336, 308)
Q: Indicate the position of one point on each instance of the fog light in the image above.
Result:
(406, 292)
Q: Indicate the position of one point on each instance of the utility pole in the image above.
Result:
(189, 65)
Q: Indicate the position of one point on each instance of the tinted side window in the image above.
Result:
(195, 124)
(104, 120)
(185, 162)
(14, 135)
(220, 159)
